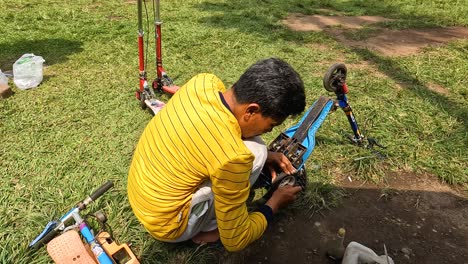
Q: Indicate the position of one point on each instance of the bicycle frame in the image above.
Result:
(53, 228)
(85, 231)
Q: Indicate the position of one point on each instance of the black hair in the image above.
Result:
(274, 85)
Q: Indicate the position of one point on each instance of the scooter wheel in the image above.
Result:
(297, 179)
(335, 77)
(288, 180)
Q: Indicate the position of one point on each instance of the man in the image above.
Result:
(198, 157)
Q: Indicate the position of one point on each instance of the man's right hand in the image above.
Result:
(283, 196)
(277, 160)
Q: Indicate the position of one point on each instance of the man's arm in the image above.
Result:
(231, 188)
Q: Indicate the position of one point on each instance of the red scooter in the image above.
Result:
(163, 83)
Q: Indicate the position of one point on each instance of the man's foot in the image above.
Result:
(206, 237)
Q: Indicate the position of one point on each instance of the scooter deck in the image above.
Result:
(154, 105)
(304, 131)
(297, 142)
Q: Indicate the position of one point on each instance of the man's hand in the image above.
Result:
(283, 196)
(279, 160)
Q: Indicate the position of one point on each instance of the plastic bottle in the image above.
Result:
(335, 248)
(27, 71)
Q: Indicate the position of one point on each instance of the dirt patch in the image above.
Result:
(402, 42)
(300, 22)
(383, 41)
(437, 88)
(418, 219)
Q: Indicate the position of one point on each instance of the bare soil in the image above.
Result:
(402, 42)
(300, 22)
(381, 40)
(419, 219)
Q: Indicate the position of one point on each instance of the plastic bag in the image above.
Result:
(357, 254)
(27, 71)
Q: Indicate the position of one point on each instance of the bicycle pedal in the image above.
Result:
(69, 248)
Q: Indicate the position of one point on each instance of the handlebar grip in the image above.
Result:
(101, 190)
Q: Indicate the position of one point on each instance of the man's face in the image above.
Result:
(258, 124)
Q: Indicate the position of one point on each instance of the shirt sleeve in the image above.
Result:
(231, 187)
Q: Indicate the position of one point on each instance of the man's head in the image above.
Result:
(271, 90)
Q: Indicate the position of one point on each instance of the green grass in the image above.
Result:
(78, 129)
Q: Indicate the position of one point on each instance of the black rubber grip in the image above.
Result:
(101, 190)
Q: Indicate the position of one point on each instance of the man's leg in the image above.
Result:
(259, 149)
(202, 226)
(201, 213)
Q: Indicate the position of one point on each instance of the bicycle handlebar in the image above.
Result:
(54, 227)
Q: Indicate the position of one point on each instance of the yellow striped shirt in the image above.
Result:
(194, 138)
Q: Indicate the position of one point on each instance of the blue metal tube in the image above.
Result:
(97, 249)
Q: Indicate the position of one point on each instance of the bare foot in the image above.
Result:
(206, 237)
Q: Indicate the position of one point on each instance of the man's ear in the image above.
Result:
(251, 109)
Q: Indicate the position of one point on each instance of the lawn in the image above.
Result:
(78, 129)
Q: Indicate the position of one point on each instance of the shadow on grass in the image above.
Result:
(404, 78)
(263, 20)
(266, 26)
(52, 50)
(260, 21)
(182, 252)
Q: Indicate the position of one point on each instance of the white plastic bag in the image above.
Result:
(359, 254)
(27, 71)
